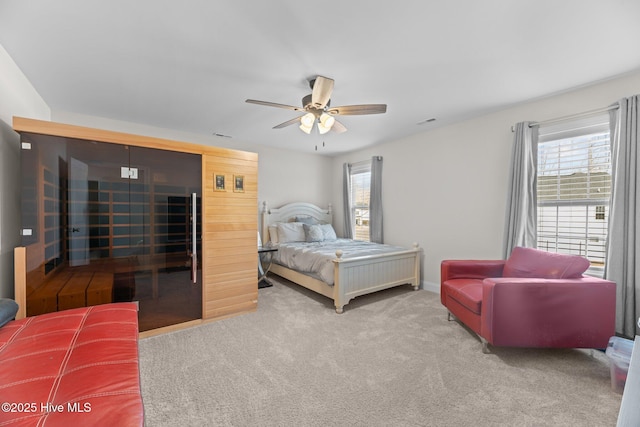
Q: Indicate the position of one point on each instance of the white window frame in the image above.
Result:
(360, 203)
(582, 221)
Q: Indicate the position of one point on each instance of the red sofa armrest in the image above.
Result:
(468, 269)
(570, 313)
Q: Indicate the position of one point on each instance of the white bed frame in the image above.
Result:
(352, 276)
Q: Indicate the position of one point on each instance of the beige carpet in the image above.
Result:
(392, 359)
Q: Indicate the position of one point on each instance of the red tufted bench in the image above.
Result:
(70, 368)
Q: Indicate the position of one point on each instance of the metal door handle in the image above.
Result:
(194, 243)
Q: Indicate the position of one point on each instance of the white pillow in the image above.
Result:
(273, 234)
(328, 231)
(290, 232)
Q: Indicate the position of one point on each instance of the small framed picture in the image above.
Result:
(218, 182)
(238, 183)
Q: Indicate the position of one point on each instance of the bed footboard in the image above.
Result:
(363, 275)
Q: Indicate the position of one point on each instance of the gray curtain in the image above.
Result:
(375, 201)
(622, 263)
(346, 194)
(522, 212)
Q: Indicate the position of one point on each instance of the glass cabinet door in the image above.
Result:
(107, 223)
(164, 204)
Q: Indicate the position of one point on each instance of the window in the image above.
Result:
(574, 187)
(360, 191)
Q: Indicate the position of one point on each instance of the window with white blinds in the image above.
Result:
(574, 187)
(360, 195)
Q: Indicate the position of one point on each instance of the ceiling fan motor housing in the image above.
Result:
(307, 104)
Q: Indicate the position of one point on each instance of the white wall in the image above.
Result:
(446, 188)
(17, 98)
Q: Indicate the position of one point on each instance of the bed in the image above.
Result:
(355, 268)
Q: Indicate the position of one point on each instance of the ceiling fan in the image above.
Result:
(317, 109)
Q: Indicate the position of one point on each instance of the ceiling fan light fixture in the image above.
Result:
(307, 120)
(305, 129)
(325, 123)
(327, 120)
(322, 129)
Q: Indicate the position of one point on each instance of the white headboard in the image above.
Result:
(288, 212)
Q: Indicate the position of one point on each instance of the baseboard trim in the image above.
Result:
(430, 286)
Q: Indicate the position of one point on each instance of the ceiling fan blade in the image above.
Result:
(273, 104)
(288, 123)
(338, 127)
(322, 88)
(354, 110)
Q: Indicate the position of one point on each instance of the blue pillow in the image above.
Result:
(8, 310)
(313, 233)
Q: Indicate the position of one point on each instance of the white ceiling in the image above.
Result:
(189, 65)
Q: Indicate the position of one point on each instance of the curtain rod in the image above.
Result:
(360, 163)
(364, 162)
(575, 116)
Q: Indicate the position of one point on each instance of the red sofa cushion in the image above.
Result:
(73, 367)
(467, 292)
(534, 263)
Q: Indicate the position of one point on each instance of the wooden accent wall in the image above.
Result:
(230, 218)
(20, 285)
(230, 221)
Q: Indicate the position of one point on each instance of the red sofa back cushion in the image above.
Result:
(534, 263)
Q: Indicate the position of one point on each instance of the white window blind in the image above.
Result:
(360, 192)
(574, 187)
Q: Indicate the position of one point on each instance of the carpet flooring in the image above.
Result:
(392, 359)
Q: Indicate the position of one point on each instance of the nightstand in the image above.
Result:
(266, 252)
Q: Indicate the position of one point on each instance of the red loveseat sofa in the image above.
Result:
(533, 299)
(72, 368)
